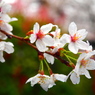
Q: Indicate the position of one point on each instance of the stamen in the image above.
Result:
(40, 35)
(83, 62)
(75, 38)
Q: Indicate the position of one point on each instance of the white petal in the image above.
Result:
(73, 48)
(1, 57)
(33, 80)
(82, 45)
(90, 65)
(48, 40)
(49, 58)
(81, 56)
(65, 38)
(44, 86)
(36, 28)
(88, 55)
(72, 28)
(46, 28)
(51, 85)
(41, 46)
(9, 47)
(86, 73)
(56, 49)
(77, 67)
(13, 19)
(6, 27)
(6, 8)
(32, 38)
(2, 45)
(5, 18)
(82, 34)
(60, 77)
(3, 36)
(74, 78)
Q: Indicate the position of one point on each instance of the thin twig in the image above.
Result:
(27, 42)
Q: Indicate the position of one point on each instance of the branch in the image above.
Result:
(30, 44)
(19, 38)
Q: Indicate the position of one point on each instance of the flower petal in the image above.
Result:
(73, 48)
(6, 27)
(6, 7)
(3, 36)
(86, 73)
(49, 58)
(88, 55)
(33, 80)
(46, 28)
(65, 38)
(82, 45)
(1, 57)
(90, 65)
(72, 28)
(48, 40)
(81, 56)
(32, 38)
(81, 34)
(60, 77)
(9, 47)
(41, 46)
(45, 86)
(74, 78)
(36, 28)
(2, 45)
(5, 17)
(13, 19)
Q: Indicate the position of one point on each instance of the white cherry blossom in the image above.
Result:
(84, 63)
(75, 38)
(7, 47)
(57, 45)
(44, 80)
(4, 7)
(40, 35)
(4, 20)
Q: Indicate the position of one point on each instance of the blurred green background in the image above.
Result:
(24, 63)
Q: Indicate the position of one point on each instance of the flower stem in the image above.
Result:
(49, 69)
(70, 62)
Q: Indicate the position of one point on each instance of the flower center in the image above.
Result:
(42, 79)
(83, 62)
(74, 38)
(1, 22)
(40, 35)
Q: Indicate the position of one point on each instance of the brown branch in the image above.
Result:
(56, 55)
(19, 38)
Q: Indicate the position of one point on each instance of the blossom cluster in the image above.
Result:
(5, 26)
(50, 43)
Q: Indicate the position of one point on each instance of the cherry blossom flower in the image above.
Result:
(84, 63)
(75, 38)
(4, 20)
(7, 47)
(40, 35)
(4, 7)
(44, 80)
(57, 45)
